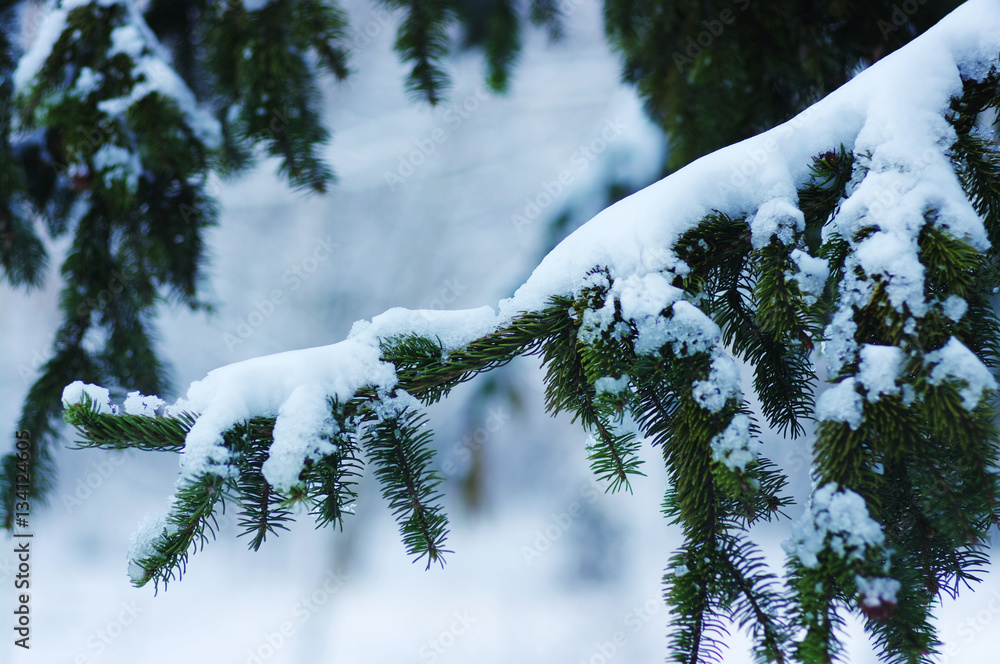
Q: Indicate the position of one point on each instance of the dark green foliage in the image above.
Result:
(714, 73)
(263, 510)
(423, 40)
(266, 88)
(22, 255)
(398, 449)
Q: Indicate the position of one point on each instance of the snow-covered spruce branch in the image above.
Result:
(862, 235)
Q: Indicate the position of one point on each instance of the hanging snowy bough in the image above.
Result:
(863, 233)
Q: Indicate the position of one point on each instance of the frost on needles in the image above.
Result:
(859, 238)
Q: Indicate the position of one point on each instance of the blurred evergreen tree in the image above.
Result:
(714, 72)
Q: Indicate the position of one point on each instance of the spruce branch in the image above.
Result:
(398, 449)
(423, 40)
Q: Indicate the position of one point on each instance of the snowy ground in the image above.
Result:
(550, 569)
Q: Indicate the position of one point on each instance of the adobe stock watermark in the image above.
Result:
(449, 293)
(579, 161)
(101, 639)
(302, 611)
(461, 453)
(633, 622)
(29, 370)
(116, 286)
(381, 18)
(713, 30)
(94, 478)
(434, 648)
(559, 524)
(454, 115)
(901, 14)
(758, 152)
(264, 308)
(971, 628)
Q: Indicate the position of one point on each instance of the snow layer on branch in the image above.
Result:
(261, 386)
(48, 34)
(955, 361)
(303, 430)
(452, 329)
(291, 385)
(101, 397)
(835, 520)
(894, 110)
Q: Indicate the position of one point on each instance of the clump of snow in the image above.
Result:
(259, 387)
(839, 347)
(955, 307)
(87, 81)
(835, 520)
(609, 385)
(689, 330)
(723, 384)
(303, 430)
(151, 529)
(128, 40)
(100, 397)
(841, 403)
(596, 321)
(879, 369)
(117, 163)
(777, 218)
(178, 408)
(255, 5)
(877, 591)
(139, 404)
(387, 408)
(893, 256)
(642, 299)
(955, 361)
(811, 275)
(732, 446)
(645, 296)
